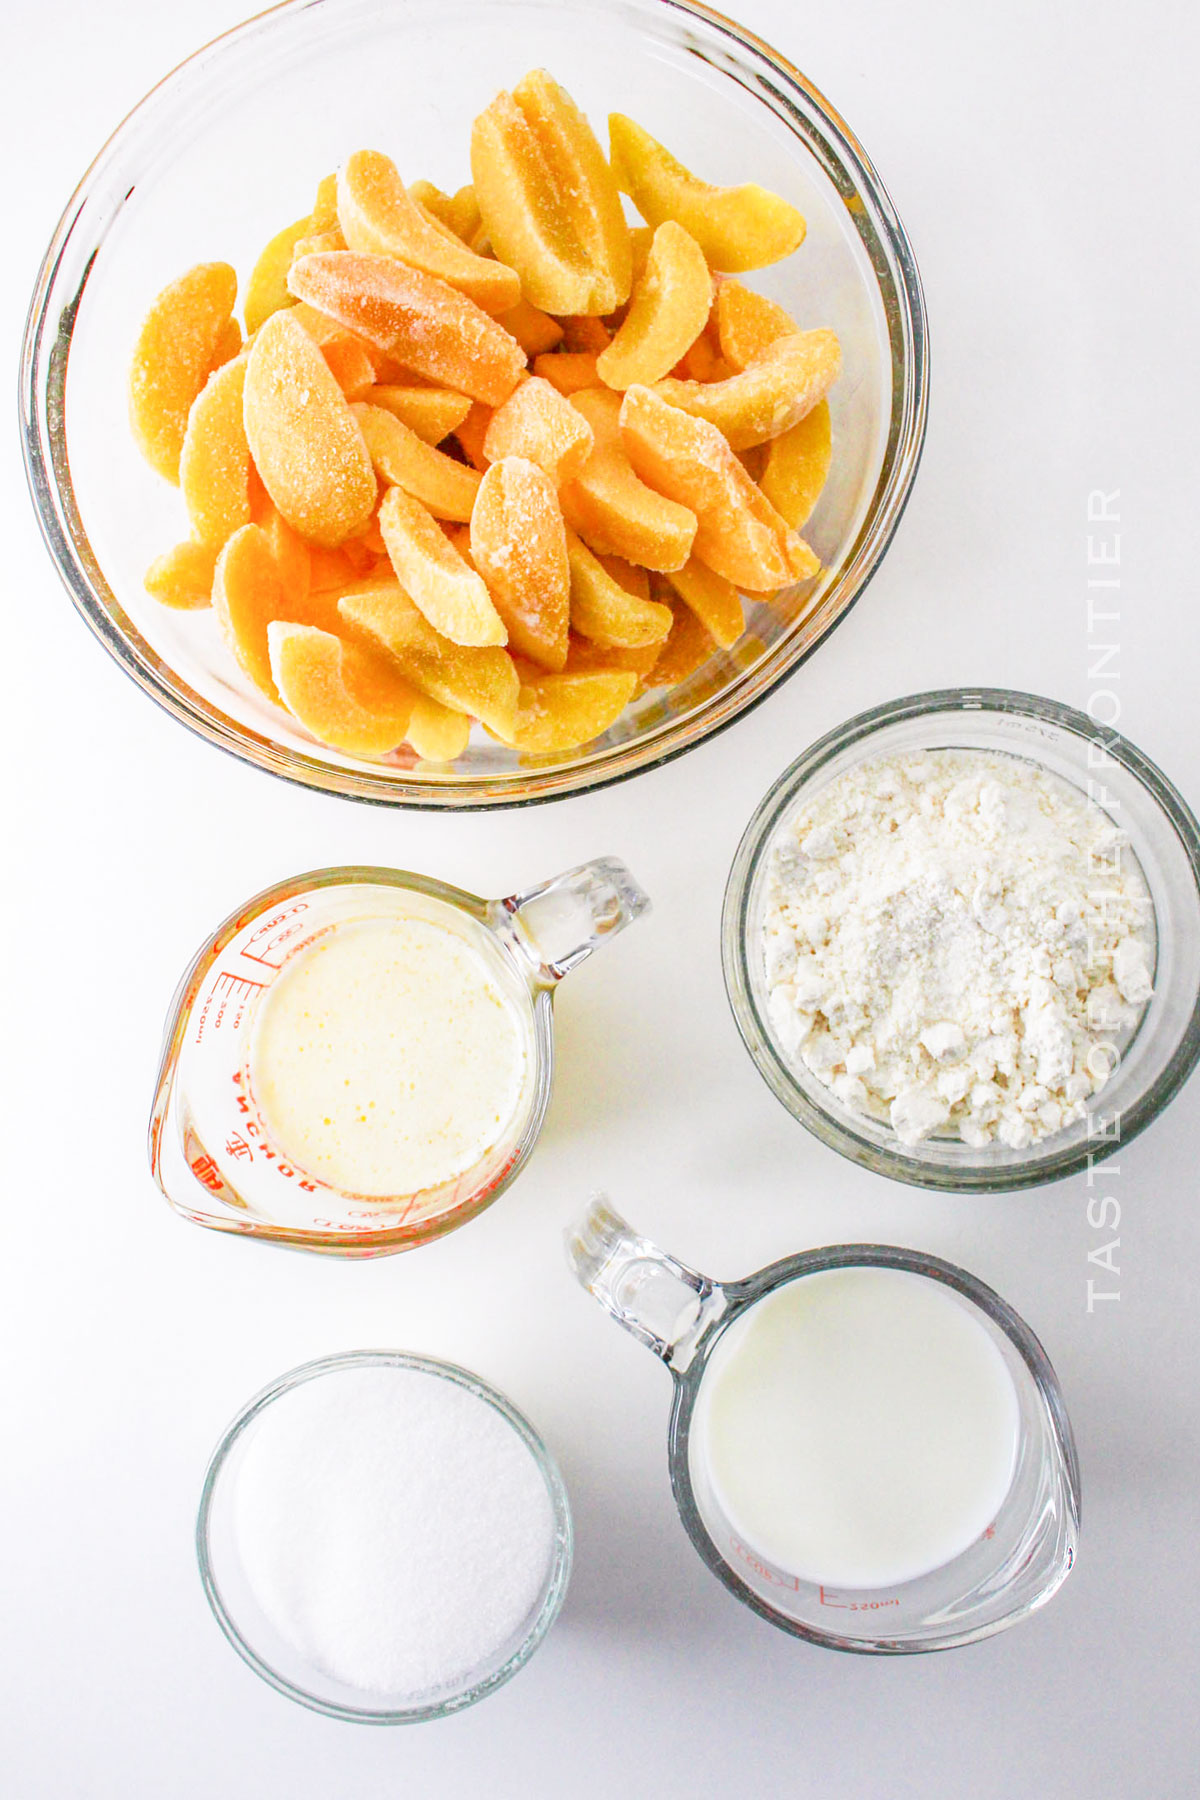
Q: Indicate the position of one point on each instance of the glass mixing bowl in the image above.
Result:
(232, 145)
(1164, 838)
(230, 1591)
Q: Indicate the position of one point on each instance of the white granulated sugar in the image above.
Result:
(394, 1528)
(947, 938)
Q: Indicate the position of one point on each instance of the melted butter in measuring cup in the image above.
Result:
(858, 1426)
(386, 1058)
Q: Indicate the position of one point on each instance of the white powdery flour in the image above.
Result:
(949, 940)
(394, 1528)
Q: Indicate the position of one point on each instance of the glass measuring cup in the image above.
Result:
(211, 1150)
(1018, 1563)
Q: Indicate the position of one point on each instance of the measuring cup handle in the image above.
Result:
(663, 1303)
(555, 926)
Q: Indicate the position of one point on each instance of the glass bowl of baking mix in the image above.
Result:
(961, 940)
(197, 173)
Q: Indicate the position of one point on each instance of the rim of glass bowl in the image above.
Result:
(555, 1486)
(831, 1130)
(62, 278)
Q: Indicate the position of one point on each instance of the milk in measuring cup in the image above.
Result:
(386, 1057)
(858, 1426)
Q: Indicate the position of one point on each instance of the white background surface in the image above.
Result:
(1043, 158)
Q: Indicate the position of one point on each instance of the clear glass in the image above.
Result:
(195, 172)
(1018, 1563)
(1165, 840)
(253, 1636)
(211, 1150)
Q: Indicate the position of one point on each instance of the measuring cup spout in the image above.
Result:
(663, 1303)
(553, 927)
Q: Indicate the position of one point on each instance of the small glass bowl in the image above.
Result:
(1164, 838)
(232, 145)
(256, 1640)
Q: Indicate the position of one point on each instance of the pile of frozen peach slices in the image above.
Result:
(498, 456)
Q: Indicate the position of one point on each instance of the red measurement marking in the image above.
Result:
(856, 1605)
(267, 944)
(762, 1569)
(236, 987)
(206, 1171)
(228, 990)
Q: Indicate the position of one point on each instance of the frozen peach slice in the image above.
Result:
(316, 243)
(472, 432)
(632, 578)
(688, 648)
(214, 462)
(415, 318)
(254, 584)
(248, 593)
(585, 657)
(290, 552)
(329, 569)
(769, 397)
(324, 212)
(519, 545)
(174, 352)
(432, 199)
(347, 697)
(585, 335)
(797, 466)
(739, 533)
(305, 441)
(614, 511)
(452, 596)
(436, 732)
(345, 351)
(748, 323)
(641, 237)
(737, 228)
(522, 212)
(378, 216)
(441, 484)
(715, 601)
(585, 185)
(667, 313)
(560, 712)
(267, 289)
(535, 331)
(537, 422)
(702, 362)
(463, 215)
(324, 330)
(570, 372)
(433, 413)
(606, 612)
(350, 365)
(228, 345)
(458, 212)
(183, 578)
(481, 682)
